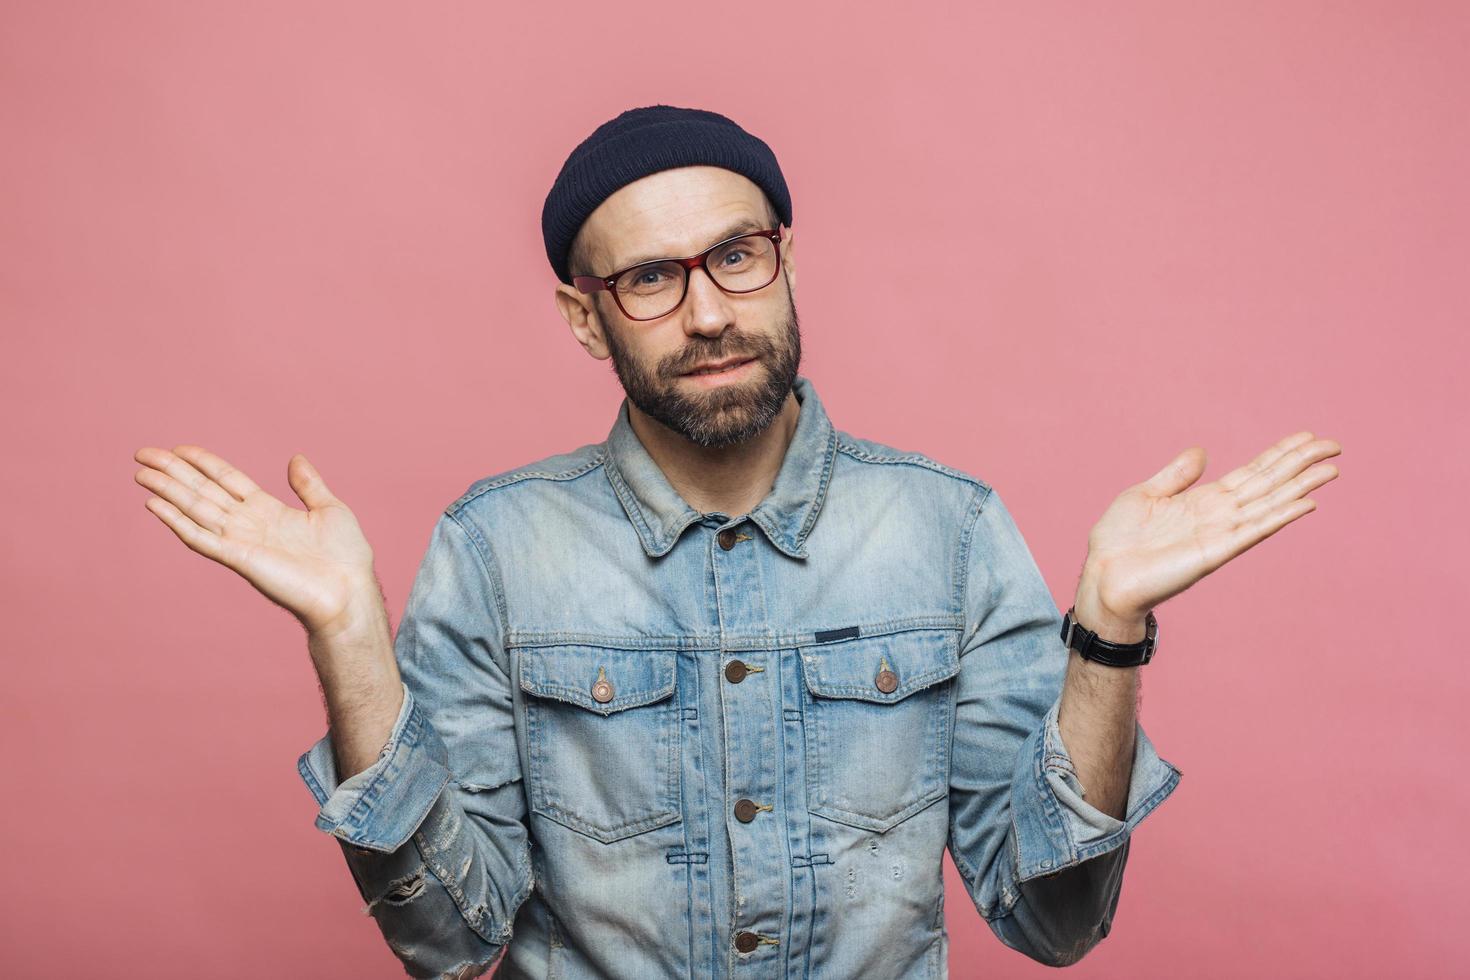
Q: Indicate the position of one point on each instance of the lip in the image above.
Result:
(735, 369)
(724, 365)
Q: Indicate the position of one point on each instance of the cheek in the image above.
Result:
(648, 353)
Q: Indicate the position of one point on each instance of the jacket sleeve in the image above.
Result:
(1043, 866)
(434, 832)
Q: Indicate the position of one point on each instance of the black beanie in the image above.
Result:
(644, 141)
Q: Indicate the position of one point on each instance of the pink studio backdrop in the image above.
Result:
(1088, 237)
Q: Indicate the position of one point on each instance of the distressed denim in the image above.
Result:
(576, 786)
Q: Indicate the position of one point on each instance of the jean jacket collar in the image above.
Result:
(786, 515)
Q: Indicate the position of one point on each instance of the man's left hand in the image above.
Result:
(1161, 536)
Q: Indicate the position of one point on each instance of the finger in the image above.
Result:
(1178, 473)
(1277, 519)
(199, 509)
(196, 538)
(186, 475)
(1303, 484)
(308, 483)
(1240, 474)
(1253, 531)
(1287, 466)
(220, 471)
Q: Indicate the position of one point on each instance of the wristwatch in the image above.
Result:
(1094, 648)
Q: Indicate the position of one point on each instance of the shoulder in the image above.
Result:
(902, 464)
(912, 489)
(550, 473)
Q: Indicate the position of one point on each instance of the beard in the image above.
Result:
(723, 416)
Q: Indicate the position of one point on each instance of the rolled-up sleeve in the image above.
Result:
(1043, 866)
(379, 808)
(1088, 830)
(434, 831)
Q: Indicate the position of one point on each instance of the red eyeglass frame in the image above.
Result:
(592, 284)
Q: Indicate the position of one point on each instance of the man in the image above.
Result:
(711, 698)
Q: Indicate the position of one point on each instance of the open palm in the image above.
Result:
(1158, 538)
(314, 562)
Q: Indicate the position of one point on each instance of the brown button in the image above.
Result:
(727, 538)
(602, 691)
(887, 681)
(735, 671)
(745, 810)
(746, 941)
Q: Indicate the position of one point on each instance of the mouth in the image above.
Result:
(723, 371)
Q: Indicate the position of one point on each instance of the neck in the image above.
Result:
(726, 479)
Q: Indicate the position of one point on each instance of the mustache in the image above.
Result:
(687, 359)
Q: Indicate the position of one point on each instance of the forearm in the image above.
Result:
(1098, 712)
(440, 869)
(360, 681)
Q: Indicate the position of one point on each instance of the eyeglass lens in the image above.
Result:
(655, 288)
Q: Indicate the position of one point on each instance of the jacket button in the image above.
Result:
(887, 681)
(727, 538)
(602, 691)
(746, 941)
(735, 671)
(745, 810)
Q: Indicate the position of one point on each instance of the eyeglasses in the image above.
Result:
(650, 290)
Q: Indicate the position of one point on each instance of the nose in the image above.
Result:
(708, 306)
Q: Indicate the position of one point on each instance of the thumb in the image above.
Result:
(308, 483)
(1178, 474)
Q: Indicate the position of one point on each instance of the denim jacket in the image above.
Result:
(642, 741)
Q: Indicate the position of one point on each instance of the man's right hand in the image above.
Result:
(315, 563)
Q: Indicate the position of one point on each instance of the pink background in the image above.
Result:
(1111, 231)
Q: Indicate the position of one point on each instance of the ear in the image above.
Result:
(788, 258)
(578, 309)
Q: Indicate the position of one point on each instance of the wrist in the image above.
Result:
(1109, 623)
(359, 644)
(363, 616)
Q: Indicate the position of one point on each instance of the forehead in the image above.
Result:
(672, 212)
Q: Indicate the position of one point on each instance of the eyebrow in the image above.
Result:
(744, 224)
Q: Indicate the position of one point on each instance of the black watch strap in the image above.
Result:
(1093, 647)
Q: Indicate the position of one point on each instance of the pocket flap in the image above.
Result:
(571, 673)
(850, 668)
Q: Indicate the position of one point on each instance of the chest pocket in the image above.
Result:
(878, 725)
(602, 732)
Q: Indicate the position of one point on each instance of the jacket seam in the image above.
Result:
(967, 544)
(317, 789)
(482, 487)
(907, 459)
(529, 638)
(481, 546)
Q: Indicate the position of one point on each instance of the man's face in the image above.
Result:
(675, 213)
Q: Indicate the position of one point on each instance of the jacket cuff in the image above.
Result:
(1055, 826)
(379, 808)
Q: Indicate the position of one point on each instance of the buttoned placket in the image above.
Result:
(750, 710)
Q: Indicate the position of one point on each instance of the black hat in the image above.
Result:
(644, 141)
